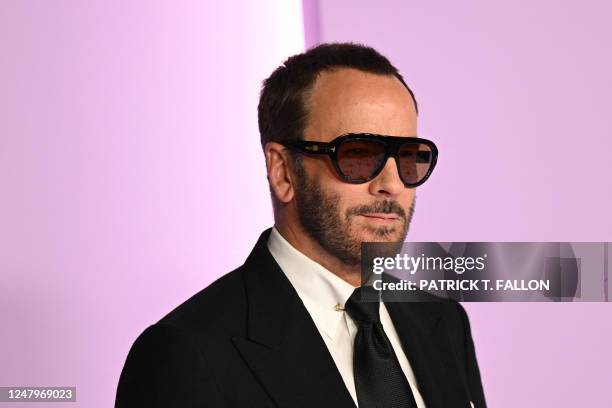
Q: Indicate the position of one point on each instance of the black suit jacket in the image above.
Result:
(248, 341)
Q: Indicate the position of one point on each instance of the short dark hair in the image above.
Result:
(282, 110)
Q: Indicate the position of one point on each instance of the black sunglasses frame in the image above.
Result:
(392, 146)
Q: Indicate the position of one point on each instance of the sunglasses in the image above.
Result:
(360, 157)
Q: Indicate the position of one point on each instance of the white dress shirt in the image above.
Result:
(321, 290)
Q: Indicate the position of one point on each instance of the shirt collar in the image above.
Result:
(319, 289)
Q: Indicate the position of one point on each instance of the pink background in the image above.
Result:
(517, 96)
(131, 174)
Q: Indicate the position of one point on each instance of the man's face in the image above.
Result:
(336, 214)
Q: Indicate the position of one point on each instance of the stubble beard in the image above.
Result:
(318, 213)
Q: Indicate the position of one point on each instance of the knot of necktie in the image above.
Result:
(363, 305)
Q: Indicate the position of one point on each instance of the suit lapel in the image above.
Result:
(422, 330)
(283, 347)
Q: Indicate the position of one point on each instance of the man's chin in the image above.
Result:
(394, 237)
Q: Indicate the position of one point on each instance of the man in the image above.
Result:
(288, 328)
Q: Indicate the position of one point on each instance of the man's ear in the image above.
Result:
(278, 165)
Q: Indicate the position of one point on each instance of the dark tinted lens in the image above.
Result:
(415, 160)
(359, 160)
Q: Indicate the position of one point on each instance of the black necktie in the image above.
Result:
(379, 380)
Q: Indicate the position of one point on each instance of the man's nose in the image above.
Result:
(388, 182)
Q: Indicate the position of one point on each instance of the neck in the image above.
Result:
(301, 241)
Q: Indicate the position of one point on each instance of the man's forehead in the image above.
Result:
(347, 100)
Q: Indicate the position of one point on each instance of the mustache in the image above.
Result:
(385, 207)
